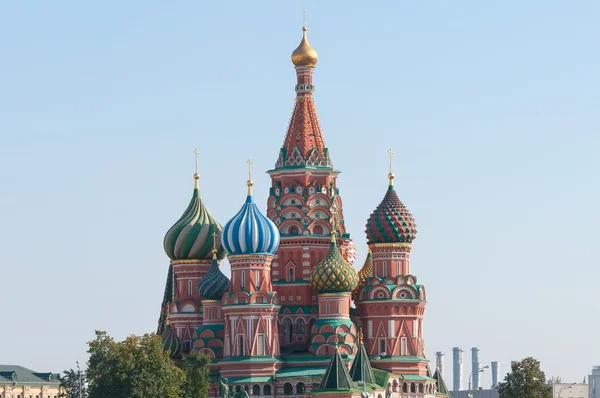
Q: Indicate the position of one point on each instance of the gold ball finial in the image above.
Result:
(304, 55)
(249, 183)
(391, 174)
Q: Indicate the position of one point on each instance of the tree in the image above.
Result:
(138, 367)
(71, 381)
(195, 367)
(526, 380)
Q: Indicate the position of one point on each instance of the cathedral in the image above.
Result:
(295, 318)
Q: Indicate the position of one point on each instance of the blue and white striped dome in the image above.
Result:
(250, 232)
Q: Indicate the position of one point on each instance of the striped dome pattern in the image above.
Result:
(365, 272)
(391, 222)
(171, 342)
(214, 284)
(191, 238)
(250, 232)
(333, 274)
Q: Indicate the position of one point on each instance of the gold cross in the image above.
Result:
(304, 12)
(214, 234)
(196, 159)
(249, 169)
(391, 153)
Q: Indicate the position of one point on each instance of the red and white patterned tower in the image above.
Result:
(304, 189)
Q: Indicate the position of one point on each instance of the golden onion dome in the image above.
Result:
(304, 55)
(365, 273)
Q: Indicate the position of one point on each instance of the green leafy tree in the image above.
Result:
(195, 367)
(72, 383)
(137, 367)
(526, 380)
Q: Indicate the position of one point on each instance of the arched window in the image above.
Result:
(189, 288)
(384, 266)
(339, 308)
(243, 279)
(293, 230)
(300, 326)
(420, 387)
(327, 308)
(412, 387)
(403, 346)
(258, 279)
(404, 387)
(267, 390)
(288, 389)
(256, 390)
(290, 274)
(382, 346)
(398, 269)
(300, 388)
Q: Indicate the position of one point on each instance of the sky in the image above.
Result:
(492, 110)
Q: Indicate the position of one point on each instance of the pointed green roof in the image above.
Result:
(337, 376)
(361, 367)
(441, 384)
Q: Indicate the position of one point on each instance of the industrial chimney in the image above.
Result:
(439, 360)
(495, 371)
(457, 368)
(475, 367)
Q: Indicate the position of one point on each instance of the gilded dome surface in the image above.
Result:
(391, 222)
(304, 54)
(214, 284)
(191, 237)
(333, 274)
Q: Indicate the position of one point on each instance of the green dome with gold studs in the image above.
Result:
(333, 274)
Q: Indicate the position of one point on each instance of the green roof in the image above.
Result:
(27, 376)
(361, 367)
(381, 377)
(302, 371)
(255, 379)
(337, 376)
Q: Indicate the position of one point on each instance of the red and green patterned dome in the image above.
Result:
(333, 274)
(391, 222)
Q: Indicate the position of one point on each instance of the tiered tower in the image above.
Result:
(391, 303)
(303, 192)
(251, 306)
(188, 243)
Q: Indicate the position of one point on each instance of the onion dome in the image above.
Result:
(249, 231)
(171, 342)
(333, 274)
(191, 238)
(391, 222)
(365, 272)
(304, 55)
(214, 284)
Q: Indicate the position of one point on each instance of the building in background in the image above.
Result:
(570, 390)
(284, 324)
(495, 374)
(482, 393)
(17, 381)
(457, 368)
(594, 383)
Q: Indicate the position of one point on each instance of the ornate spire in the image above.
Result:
(361, 369)
(391, 174)
(304, 145)
(336, 376)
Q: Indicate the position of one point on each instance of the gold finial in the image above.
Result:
(360, 335)
(304, 55)
(391, 175)
(336, 343)
(332, 222)
(196, 175)
(214, 250)
(249, 183)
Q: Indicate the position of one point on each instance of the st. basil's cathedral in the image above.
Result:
(295, 318)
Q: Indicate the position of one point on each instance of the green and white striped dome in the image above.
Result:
(191, 238)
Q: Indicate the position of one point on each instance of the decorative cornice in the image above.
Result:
(195, 262)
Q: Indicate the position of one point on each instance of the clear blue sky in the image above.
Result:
(492, 108)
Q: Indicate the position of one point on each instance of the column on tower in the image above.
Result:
(189, 243)
(250, 307)
(390, 302)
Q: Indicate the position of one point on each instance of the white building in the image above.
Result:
(570, 390)
(594, 383)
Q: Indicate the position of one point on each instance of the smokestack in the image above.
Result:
(495, 371)
(457, 368)
(475, 367)
(439, 359)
